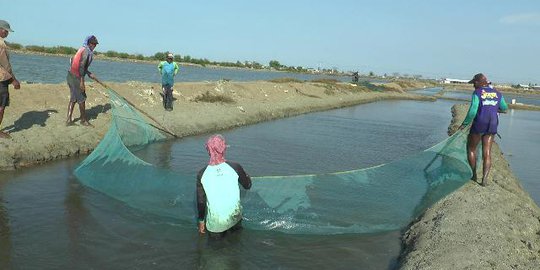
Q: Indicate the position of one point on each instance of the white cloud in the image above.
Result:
(521, 18)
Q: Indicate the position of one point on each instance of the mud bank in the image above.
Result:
(37, 114)
(496, 227)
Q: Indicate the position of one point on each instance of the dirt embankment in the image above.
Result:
(37, 115)
(494, 227)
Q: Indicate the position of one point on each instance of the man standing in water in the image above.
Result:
(485, 104)
(168, 70)
(218, 193)
(75, 79)
(6, 73)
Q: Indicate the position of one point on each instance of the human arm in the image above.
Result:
(243, 178)
(160, 67)
(16, 83)
(201, 203)
(175, 68)
(503, 107)
(6, 72)
(473, 108)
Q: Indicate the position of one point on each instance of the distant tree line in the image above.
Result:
(64, 50)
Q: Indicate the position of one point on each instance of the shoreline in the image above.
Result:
(503, 89)
(37, 113)
(496, 227)
(102, 57)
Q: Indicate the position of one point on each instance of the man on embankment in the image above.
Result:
(6, 74)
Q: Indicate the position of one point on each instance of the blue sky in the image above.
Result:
(453, 38)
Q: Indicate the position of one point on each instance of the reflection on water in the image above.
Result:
(55, 223)
(337, 140)
(520, 130)
(5, 232)
(428, 91)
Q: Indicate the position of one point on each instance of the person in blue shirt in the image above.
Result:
(168, 69)
(486, 103)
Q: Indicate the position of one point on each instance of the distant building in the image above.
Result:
(448, 80)
(524, 86)
(536, 87)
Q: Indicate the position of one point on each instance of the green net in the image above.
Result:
(381, 198)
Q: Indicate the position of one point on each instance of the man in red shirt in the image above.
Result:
(75, 79)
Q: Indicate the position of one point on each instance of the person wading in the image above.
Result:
(218, 193)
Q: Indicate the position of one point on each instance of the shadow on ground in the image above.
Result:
(29, 119)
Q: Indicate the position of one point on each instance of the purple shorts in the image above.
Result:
(485, 127)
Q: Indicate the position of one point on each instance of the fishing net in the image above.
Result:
(382, 198)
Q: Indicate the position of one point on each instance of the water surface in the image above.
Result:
(520, 130)
(50, 221)
(53, 69)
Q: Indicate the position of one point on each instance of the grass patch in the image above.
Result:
(405, 84)
(213, 98)
(371, 87)
(327, 81)
(304, 94)
(285, 80)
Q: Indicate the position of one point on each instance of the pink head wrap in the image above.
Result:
(216, 149)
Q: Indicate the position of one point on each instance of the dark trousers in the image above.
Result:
(167, 97)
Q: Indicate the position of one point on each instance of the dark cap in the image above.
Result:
(92, 39)
(5, 25)
(478, 78)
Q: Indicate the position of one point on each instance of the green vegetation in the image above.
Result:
(159, 56)
(213, 98)
(41, 49)
(371, 87)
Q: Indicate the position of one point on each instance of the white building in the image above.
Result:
(448, 80)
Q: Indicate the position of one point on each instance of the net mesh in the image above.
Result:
(376, 199)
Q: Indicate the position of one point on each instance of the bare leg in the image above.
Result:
(3, 134)
(84, 120)
(472, 143)
(82, 110)
(487, 141)
(69, 120)
(1, 114)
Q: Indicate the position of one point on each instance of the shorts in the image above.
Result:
(76, 94)
(485, 127)
(4, 93)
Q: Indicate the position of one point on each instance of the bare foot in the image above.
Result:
(484, 182)
(70, 123)
(5, 135)
(86, 124)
